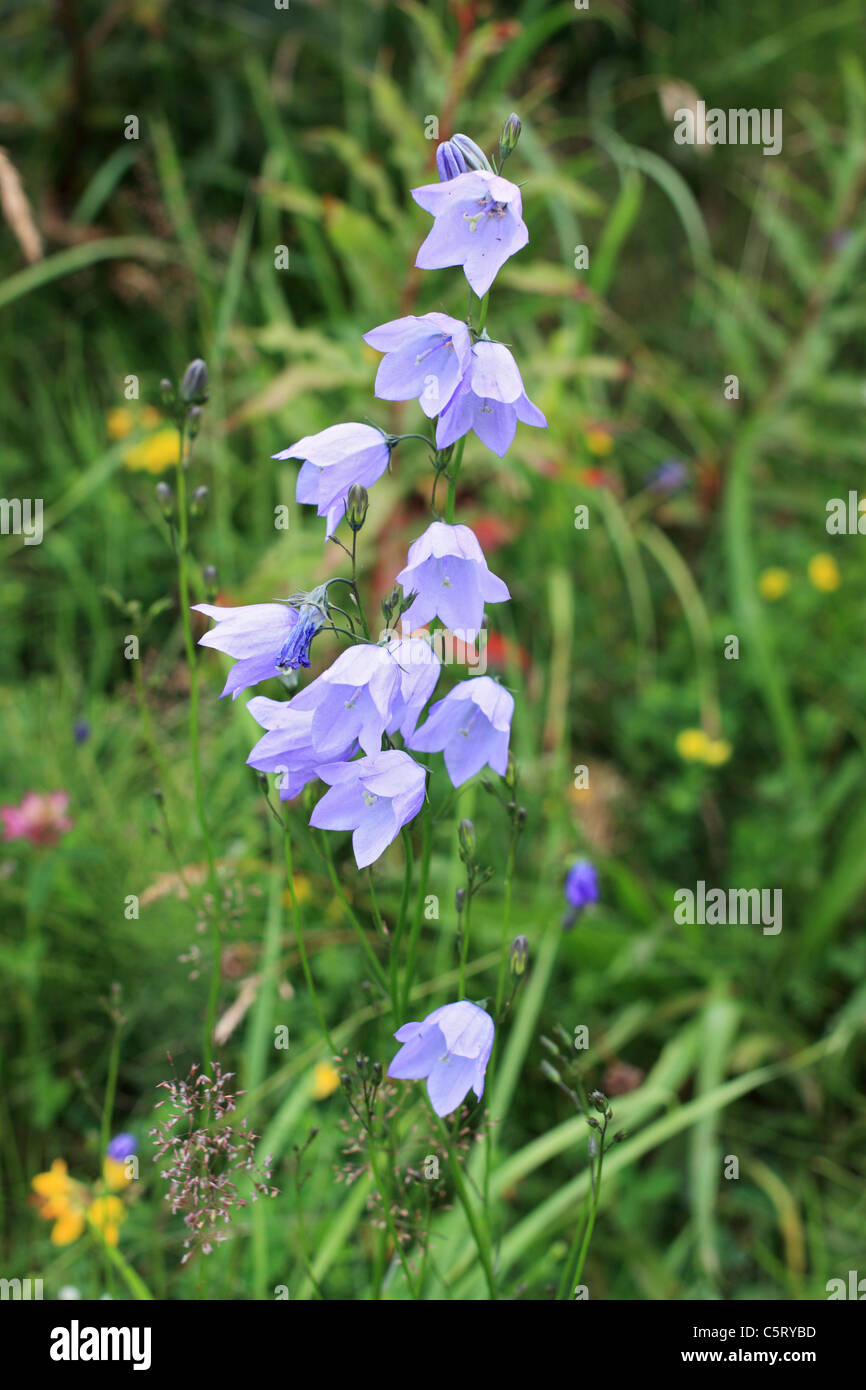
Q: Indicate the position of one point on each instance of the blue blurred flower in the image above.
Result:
(669, 476)
(122, 1146)
(581, 889)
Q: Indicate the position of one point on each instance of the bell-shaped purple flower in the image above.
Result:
(449, 161)
(581, 889)
(335, 459)
(351, 700)
(373, 797)
(478, 224)
(425, 359)
(419, 668)
(471, 726)
(451, 1049)
(448, 573)
(490, 401)
(255, 635)
(287, 747)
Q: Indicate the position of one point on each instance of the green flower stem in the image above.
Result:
(479, 1234)
(134, 1282)
(596, 1190)
(394, 962)
(464, 943)
(189, 644)
(299, 933)
(426, 849)
(506, 922)
(389, 1220)
(375, 967)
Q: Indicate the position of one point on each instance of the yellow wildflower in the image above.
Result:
(774, 583)
(692, 745)
(599, 441)
(326, 1079)
(106, 1214)
(303, 890)
(154, 454)
(59, 1199)
(115, 1175)
(717, 751)
(119, 422)
(824, 573)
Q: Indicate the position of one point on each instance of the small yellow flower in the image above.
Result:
(154, 454)
(692, 745)
(68, 1226)
(774, 583)
(824, 573)
(119, 422)
(106, 1214)
(599, 441)
(717, 751)
(60, 1200)
(115, 1175)
(303, 891)
(326, 1079)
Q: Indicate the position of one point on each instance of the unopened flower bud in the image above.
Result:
(550, 1072)
(198, 503)
(599, 1101)
(166, 390)
(356, 506)
(473, 156)
(466, 838)
(460, 900)
(193, 388)
(211, 580)
(509, 137)
(511, 771)
(449, 161)
(165, 498)
(519, 955)
(193, 421)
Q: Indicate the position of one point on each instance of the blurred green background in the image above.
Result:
(303, 129)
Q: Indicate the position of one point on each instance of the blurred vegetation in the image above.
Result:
(304, 128)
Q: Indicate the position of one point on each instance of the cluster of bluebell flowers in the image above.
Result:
(355, 726)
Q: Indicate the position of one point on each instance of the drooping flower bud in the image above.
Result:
(466, 838)
(449, 161)
(198, 503)
(193, 421)
(165, 498)
(193, 388)
(509, 137)
(473, 156)
(356, 506)
(519, 955)
(166, 390)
